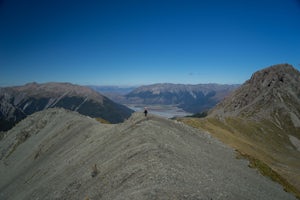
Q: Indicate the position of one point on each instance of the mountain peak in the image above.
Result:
(54, 89)
(20, 101)
(262, 119)
(265, 93)
(274, 75)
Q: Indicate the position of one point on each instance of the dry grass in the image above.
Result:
(265, 170)
(262, 143)
(103, 121)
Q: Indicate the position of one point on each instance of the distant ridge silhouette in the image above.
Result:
(20, 101)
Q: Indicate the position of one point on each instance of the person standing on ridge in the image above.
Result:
(145, 111)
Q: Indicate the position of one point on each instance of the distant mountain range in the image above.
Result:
(115, 93)
(18, 102)
(60, 154)
(261, 119)
(191, 98)
(106, 90)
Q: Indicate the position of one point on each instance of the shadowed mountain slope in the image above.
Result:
(18, 102)
(261, 119)
(59, 154)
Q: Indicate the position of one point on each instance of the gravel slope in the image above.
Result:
(51, 154)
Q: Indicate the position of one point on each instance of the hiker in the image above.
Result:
(145, 111)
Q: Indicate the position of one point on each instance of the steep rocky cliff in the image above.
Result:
(272, 93)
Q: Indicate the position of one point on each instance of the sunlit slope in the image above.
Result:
(261, 120)
(58, 154)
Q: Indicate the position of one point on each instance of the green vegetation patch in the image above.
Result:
(267, 171)
(199, 115)
(102, 121)
(262, 142)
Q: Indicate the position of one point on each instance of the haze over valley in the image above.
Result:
(170, 100)
(219, 82)
(260, 120)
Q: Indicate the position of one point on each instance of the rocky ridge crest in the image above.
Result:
(268, 94)
(59, 154)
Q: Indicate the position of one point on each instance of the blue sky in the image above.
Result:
(142, 42)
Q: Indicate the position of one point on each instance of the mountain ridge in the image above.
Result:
(261, 119)
(60, 154)
(19, 101)
(276, 85)
(56, 89)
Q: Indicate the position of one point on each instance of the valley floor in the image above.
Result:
(167, 111)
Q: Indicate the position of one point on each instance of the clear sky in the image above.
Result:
(134, 42)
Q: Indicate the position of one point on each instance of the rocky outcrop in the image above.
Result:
(262, 119)
(267, 94)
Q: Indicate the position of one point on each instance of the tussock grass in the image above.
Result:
(103, 121)
(263, 143)
(267, 171)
